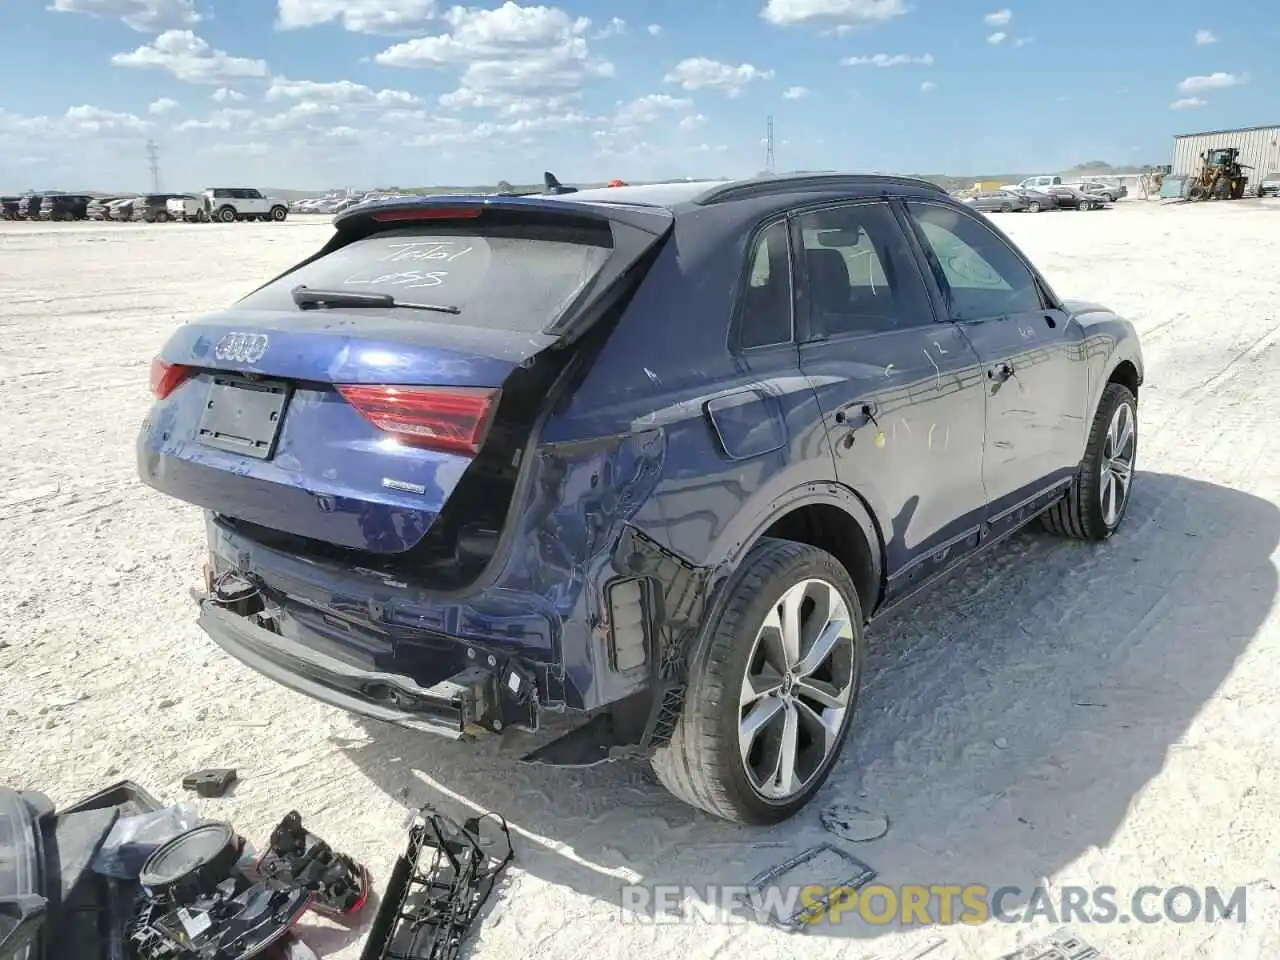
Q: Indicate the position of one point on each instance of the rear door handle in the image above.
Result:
(857, 413)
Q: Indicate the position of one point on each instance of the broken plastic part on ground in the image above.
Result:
(438, 887)
(116, 874)
(855, 875)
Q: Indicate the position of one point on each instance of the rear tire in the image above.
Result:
(1033, 207)
(740, 654)
(278, 214)
(1006, 207)
(1098, 498)
(227, 215)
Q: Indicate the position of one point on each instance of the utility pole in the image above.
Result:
(153, 158)
(768, 145)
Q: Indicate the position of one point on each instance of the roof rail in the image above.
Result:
(806, 182)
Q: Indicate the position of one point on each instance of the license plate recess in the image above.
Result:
(244, 416)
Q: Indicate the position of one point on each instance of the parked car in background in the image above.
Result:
(153, 207)
(229, 204)
(1109, 192)
(1269, 186)
(1070, 198)
(187, 208)
(1034, 183)
(68, 206)
(998, 201)
(438, 505)
(98, 207)
(120, 209)
(1036, 200)
(10, 208)
(33, 206)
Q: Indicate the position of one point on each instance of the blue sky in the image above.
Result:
(319, 93)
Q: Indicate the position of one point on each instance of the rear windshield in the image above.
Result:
(519, 279)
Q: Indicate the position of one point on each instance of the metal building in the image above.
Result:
(1259, 148)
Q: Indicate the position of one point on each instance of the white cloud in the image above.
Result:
(82, 122)
(655, 30)
(998, 37)
(885, 60)
(1213, 81)
(145, 16)
(698, 73)
(339, 91)
(785, 13)
(226, 119)
(795, 93)
(162, 106)
(1205, 37)
(227, 95)
(692, 122)
(650, 109)
(614, 28)
(998, 19)
(1186, 103)
(190, 58)
(514, 58)
(92, 120)
(357, 16)
(928, 86)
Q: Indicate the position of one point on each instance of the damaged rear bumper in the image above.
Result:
(468, 702)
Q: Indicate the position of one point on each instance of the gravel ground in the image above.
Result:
(1058, 713)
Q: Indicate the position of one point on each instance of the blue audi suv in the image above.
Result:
(633, 465)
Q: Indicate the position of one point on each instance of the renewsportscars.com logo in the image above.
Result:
(926, 905)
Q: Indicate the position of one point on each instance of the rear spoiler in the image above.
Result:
(652, 220)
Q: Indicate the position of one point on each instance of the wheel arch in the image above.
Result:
(829, 516)
(1126, 374)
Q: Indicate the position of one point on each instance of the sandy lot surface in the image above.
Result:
(1058, 713)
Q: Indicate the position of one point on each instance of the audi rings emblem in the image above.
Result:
(244, 347)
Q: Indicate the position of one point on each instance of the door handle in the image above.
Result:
(850, 414)
(1000, 372)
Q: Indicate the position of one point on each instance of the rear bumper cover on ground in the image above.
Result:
(445, 709)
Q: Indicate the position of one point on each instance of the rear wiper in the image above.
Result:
(307, 297)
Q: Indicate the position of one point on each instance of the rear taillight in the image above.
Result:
(167, 377)
(440, 418)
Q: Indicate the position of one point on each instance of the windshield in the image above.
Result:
(519, 280)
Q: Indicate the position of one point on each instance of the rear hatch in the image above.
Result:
(347, 403)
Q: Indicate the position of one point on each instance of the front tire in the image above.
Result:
(1034, 207)
(1098, 498)
(278, 214)
(773, 685)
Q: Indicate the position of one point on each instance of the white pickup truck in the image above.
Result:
(1033, 183)
(229, 204)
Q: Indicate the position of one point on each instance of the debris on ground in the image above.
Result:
(841, 872)
(1060, 945)
(438, 887)
(210, 784)
(854, 824)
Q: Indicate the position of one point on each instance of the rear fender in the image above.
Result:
(691, 595)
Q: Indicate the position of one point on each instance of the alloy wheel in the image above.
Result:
(1117, 464)
(797, 690)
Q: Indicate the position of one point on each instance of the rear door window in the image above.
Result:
(860, 274)
(511, 279)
